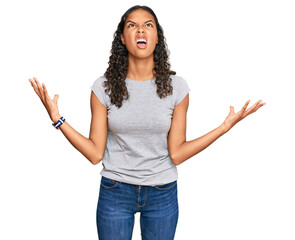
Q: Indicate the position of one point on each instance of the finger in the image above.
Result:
(35, 87)
(242, 111)
(232, 110)
(245, 106)
(35, 81)
(253, 108)
(258, 106)
(56, 96)
(255, 105)
(45, 92)
(40, 89)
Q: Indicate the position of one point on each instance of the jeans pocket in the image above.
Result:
(108, 183)
(166, 186)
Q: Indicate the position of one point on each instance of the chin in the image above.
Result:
(142, 54)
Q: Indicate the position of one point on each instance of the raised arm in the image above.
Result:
(93, 147)
(181, 150)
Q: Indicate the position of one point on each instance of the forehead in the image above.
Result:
(140, 15)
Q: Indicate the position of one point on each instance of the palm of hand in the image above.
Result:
(233, 118)
(49, 104)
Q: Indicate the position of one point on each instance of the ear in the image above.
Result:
(122, 38)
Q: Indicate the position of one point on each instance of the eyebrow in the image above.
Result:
(144, 22)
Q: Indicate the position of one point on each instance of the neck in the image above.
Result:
(140, 69)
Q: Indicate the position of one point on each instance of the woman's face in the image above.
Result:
(140, 24)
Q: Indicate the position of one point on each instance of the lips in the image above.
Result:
(141, 42)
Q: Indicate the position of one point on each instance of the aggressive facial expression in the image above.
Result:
(140, 33)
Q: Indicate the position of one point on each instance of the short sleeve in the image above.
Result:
(182, 90)
(99, 90)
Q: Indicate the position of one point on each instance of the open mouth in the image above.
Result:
(141, 43)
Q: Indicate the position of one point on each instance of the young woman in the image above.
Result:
(138, 131)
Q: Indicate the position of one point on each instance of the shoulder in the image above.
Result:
(177, 80)
(98, 84)
(100, 80)
(99, 90)
(180, 88)
(175, 77)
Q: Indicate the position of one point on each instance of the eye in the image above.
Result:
(150, 24)
(130, 24)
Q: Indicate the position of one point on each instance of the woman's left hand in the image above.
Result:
(233, 118)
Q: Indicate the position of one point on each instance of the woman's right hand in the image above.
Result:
(49, 104)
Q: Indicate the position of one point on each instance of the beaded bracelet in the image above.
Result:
(58, 123)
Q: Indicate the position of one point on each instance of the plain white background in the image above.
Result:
(240, 187)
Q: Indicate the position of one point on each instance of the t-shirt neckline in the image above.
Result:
(140, 81)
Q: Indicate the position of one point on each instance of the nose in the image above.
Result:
(140, 30)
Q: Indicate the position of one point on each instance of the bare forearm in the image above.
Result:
(84, 145)
(190, 148)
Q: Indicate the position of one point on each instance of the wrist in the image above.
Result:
(59, 122)
(224, 128)
(56, 118)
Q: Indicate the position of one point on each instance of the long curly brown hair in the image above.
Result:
(118, 63)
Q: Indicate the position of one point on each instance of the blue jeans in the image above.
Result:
(119, 201)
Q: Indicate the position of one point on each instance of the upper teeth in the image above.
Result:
(141, 39)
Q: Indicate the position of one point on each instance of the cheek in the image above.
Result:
(128, 42)
(154, 37)
(154, 41)
(128, 39)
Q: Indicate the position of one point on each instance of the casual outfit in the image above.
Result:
(138, 174)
